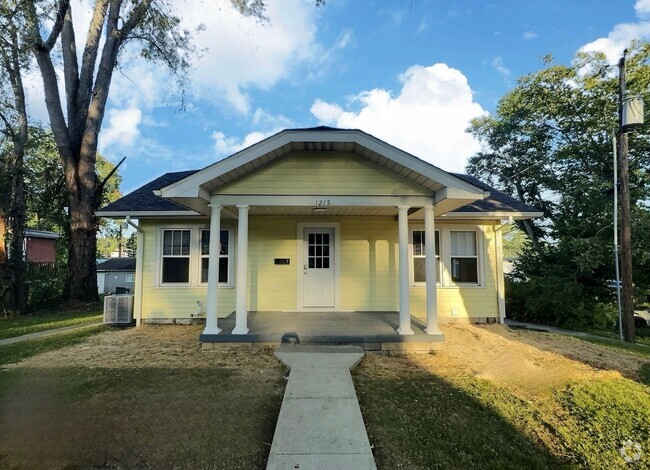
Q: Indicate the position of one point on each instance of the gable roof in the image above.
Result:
(117, 264)
(187, 193)
(199, 185)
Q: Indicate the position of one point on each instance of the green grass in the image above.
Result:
(119, 417)
(16, 352)
(12, 327)
(642, 335)
(422, 420)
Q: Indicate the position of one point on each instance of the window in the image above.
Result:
(176, 256)
(130, 278)
(419, 269)
(223, 256)
(464, 256)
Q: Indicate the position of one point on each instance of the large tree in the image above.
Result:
(550, 144)
(14, 60)
(145, 29)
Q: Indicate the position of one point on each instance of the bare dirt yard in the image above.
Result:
(149, 397)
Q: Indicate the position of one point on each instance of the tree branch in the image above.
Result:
(64, 6)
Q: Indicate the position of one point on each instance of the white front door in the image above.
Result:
(319, 275)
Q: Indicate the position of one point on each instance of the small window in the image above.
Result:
(224, 253)
(130, 278)
(419, 257)
(464, 256)
(176, 256)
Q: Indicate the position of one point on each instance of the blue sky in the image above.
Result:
(410, 72)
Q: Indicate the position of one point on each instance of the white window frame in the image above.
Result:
(130, 278)
(229, 256)
(477, 238)
(161, 256)
(444, 237)
(412, 257)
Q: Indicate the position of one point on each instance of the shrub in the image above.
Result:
(45, 288)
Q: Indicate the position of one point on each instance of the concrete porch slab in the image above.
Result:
(374, 331)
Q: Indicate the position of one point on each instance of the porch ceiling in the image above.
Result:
(329, 211)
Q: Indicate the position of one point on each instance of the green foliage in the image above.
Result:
(45, 288)
(550, 144)
(604, 416)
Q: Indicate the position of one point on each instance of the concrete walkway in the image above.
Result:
(44, 333)
(320, 424)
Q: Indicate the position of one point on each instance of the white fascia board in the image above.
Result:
(145, 214)
(418, 165)
(455, 193)
(189, 186)
(492, 215)
(320, 200)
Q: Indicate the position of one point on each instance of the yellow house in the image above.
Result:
(318, 220)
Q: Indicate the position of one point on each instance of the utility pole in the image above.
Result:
(629, 333)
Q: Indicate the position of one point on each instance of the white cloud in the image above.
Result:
(326, 112)
(123, 128)
(243, 53)
(225, 146)
(427, 118)
(622, 35)
(530, 35)
(262, 119)
(642, 8)
(497, 63)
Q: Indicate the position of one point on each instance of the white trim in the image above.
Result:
(500, 281)
(189, 186)
(322, 200)
(403, 272)
(444, 237)
(141, 214)
(159, 257)
(230, 256)
(300, 258)
(491, 215)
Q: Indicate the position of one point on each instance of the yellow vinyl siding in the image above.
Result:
(468, 301)
(368, 272)
(323, 172)
(166, 302)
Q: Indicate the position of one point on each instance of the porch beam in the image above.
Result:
(404, 294)
(212, 304)
(430, 272)
(323, 200)
(241, 311)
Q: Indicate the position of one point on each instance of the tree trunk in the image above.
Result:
(17, 298)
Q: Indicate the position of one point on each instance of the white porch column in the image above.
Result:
(430, 271)
(404, 294)
(212, 304)
(241, 312)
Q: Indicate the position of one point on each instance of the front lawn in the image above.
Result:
(49, 319)
(499, 399)
(143, 397)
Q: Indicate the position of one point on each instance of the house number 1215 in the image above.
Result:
(323, 202)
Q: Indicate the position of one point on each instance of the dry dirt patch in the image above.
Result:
(528, 363)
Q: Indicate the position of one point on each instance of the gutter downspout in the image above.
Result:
(501, 291)
(139, 252)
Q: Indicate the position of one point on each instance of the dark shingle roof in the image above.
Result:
(143, 198)
(497, 201)
(117, 264)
